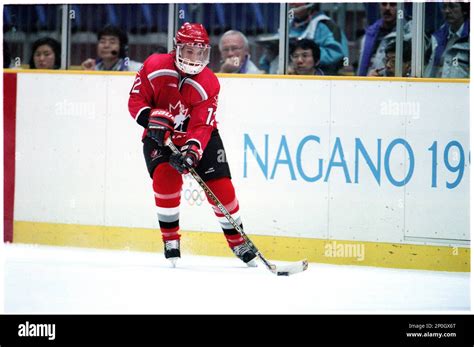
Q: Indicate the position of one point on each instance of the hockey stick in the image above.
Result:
(284, 270)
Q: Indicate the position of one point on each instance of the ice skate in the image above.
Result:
(172, 251)
(244, 253)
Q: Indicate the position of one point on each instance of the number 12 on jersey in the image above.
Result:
(211, 112)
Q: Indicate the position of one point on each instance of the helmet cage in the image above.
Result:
(188, 66)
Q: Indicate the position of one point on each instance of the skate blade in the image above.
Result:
(252, 263)
(173, 261)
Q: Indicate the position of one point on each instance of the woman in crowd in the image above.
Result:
(45, 54)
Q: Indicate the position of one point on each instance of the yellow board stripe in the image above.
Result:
(264, 76)
(439, 258)
(350, 78)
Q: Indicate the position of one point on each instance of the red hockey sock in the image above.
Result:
(167, 183)
(225, 192)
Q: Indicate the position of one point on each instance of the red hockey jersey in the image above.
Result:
(192, 99)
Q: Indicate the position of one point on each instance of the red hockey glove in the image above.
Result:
(188, 158)
(160, 126)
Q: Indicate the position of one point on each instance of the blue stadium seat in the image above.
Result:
(7, 17)
(155, 16)
(90, 17)
(142, 18)
(260, 22)
(147, 14)
(273, 17)
(30, 18)
(220, 15)
(41, 15)
(139, 18)
(20, 17)
(111, 14)
(249, 18)
(47, 16)
(76, 20)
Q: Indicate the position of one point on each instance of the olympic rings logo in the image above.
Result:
(193, 193)
(194, 196)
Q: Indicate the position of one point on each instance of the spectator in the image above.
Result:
(45, 54)
(307, 23)
(378, 36)
(389, 68)
(450, 44)
(111, 52)
(305, 57)
(235, 54)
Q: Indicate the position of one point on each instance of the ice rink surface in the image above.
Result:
(43, 279)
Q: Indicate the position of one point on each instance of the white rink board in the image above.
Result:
(435, 212)
(129, 198)
(274, 206)
(371, 212)
(86, 166)
(60, 148)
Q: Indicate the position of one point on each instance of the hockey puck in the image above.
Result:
(283, 273)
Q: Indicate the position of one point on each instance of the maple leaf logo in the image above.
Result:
(181, 116)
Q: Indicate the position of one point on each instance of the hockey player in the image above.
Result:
(175, 96)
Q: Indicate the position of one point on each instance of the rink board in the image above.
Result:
(314, 160)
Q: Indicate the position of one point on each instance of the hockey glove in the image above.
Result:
(160, 126)
(187, 159)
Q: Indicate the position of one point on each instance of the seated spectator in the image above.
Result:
(305, 57)
(235, 54)
(45, 54)
(111, 52)
(307, 23)
(378, 36)
(450, 44)
(389, 69)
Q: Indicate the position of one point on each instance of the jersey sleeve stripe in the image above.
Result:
(198, 87)
(162, 72)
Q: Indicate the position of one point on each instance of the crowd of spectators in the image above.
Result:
(317, 47)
